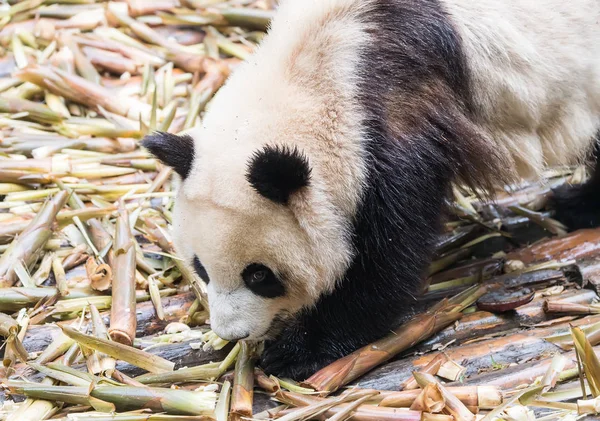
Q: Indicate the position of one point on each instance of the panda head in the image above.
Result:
(259, 213)
(254, 225)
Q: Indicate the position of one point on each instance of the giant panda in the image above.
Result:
(313, 190)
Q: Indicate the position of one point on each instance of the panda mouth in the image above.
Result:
(278, 323)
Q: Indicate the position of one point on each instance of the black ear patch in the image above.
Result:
(175, 151)
(278, 171)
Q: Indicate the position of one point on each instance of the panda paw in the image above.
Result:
(294, 357)
(577, 206)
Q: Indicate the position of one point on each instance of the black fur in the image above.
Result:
(175, 151)
(276, 172)
(267, 284)
(200, 270)
(419, 138)
(578, 206)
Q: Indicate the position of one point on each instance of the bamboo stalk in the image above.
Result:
(206, 372)
(170, 401)
(343, 371)
(60, 277)
(482, 397)
(34, 237)
(362, 413)
(36, 112)
(570, 308)
(122, 317)
(122, 352)
(57, 347)
(243, 382)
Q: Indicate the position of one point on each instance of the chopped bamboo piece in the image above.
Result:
(60, 277)
(450, 370)
(122, 316)
(243, 382)
(552, 306)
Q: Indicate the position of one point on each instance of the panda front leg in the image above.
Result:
(363, 310)
(295, 354)
(578, 206)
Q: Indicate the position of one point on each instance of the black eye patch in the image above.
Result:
(200, 270)
(262, 281)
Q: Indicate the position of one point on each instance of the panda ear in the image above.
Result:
(172, 150)
(277, 172)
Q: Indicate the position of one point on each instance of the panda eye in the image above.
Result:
(259, 276)
(262, 281)
(200, 270)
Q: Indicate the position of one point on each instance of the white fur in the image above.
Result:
(536, 76)
(535, 68)
(220, 218)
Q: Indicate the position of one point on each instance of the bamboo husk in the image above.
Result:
(265, 382)
(431, 368)
(100, 275)
(453, 406)
(69, 377)
(552, 225)
(8, 325)
(122, 317)
(77, 257)
(31, 240)
(222, 408)
(78, 89)
(430, 399)
(98, 362)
